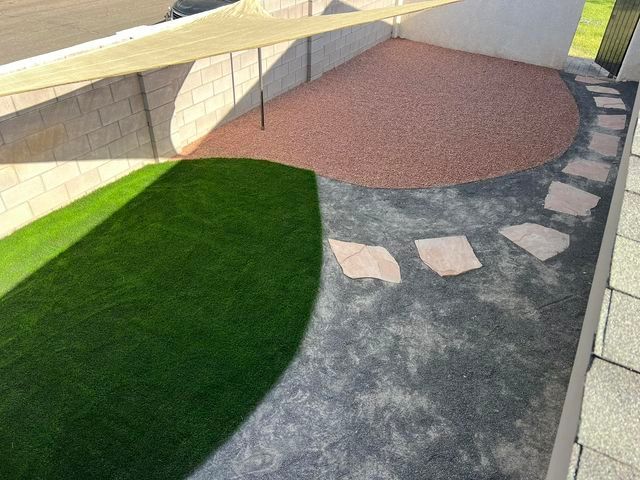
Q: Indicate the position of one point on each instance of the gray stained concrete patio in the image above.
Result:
(434, 378)
(584, 66)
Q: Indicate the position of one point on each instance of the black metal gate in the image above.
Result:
(618, 34)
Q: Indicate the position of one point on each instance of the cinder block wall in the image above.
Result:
(60, 143)
(188, 101)
(334, 48)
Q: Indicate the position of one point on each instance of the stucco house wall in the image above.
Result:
(532, 31)
(630, 69)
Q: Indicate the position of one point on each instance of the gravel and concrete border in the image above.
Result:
(460, 377)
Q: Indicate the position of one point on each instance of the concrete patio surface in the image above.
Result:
(435, 378)
(584, 66)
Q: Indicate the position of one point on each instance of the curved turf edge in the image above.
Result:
(139, 349)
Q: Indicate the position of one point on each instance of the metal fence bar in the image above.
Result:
(618, 34)
(618, 43)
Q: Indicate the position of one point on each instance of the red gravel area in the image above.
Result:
(406, 114)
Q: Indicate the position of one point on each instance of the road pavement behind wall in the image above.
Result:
(34, 27)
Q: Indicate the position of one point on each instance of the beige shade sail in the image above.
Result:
(242, 26)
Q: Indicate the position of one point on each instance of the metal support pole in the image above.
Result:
(395, 29)
(261, 89)
(233, 78)
(309, 42)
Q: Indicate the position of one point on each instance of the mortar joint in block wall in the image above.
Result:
(60, 143)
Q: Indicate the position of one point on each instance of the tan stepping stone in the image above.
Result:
(597, 171)
(599, 89)
(365, 261)
(612, 122)
(541, 242)
(448, 256)
(605, 144)
(610, 102)
(564, 198)
(591, 80)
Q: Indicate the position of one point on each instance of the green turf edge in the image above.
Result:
(31, 247)
(92, 333)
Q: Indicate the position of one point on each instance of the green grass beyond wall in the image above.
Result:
(591, 28)
(145, 322)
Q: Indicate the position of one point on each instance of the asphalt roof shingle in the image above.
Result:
(595, 466)
(633, 178)
(610, 422)
(625, 266)
(630, 217)
(622, 333)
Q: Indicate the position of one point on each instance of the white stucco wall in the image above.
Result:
(532, 31)
(630, 69)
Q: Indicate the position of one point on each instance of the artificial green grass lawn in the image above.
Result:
(593, 23)
(32, 247)
(177, 298)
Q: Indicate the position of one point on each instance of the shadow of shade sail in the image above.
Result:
(142, 347)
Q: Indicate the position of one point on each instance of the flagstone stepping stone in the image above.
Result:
(448, 256)
(591, 80)
(599, 89)
(365, 261)
(597, 171)
(605, 144)
(610, 102)
(541, 242)
(612, 122)
(564, 198)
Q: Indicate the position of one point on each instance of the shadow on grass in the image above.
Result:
(142, 347)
